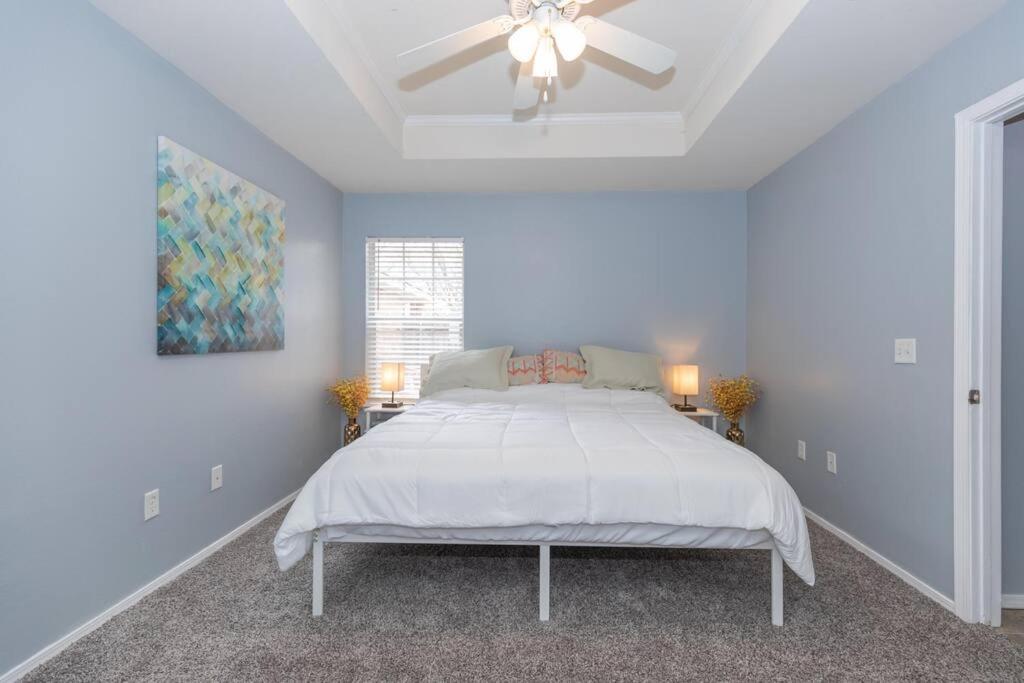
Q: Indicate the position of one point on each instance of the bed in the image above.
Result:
(547, 465)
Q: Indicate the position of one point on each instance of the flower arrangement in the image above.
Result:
(733, 397)
(351, 394)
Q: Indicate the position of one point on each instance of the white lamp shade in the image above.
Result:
(685, 380)
(523, 43)
(569, 38)
(545, 62)
(392, 376)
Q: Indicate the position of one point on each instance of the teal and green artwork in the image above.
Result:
(220, 258)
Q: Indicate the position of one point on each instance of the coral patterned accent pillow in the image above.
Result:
(526, 370)
(563, 367)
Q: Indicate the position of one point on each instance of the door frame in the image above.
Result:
(977, 361)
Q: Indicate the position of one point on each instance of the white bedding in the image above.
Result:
(553, 455)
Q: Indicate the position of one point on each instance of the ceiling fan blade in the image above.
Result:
(626, 45)
(443, 48)
(527, 95)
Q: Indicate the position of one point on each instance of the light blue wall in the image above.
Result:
(850, 246)
(657, 271)
(90, 417)
(1013, 359)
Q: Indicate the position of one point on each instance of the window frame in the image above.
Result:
(412, 370)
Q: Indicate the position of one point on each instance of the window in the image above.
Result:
(414, 304)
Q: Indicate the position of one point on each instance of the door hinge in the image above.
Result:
(974, 397)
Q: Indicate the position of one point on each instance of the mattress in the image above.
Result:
(542, 458)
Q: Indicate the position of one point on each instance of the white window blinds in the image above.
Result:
(414, 305)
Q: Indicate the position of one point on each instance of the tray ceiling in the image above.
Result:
(480, 81)
(756, 81)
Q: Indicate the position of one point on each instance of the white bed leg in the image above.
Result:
(545, 582)
(776, 587)
(318, 574)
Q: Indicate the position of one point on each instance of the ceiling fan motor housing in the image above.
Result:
(520, 9)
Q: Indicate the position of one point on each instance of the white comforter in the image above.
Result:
(554, 454)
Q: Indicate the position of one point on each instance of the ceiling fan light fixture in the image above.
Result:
(523, 43)
(570, 39)
(545, 62)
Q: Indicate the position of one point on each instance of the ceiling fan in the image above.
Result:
(543, 30)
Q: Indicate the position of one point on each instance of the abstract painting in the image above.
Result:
(220, 258)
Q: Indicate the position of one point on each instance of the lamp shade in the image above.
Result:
(685, 380)
(392, 376)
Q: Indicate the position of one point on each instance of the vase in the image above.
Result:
(352, 431)
(735, 434)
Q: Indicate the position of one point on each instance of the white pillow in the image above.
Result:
(616, 369)
(482, 369)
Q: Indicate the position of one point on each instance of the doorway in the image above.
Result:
(977, 354)
(1012, 467)
(977, 362)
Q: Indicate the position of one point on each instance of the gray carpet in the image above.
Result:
(451, 612)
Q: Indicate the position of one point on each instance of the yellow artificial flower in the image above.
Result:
(351, 394)
(733, 397)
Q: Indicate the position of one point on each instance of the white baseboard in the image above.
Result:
(55, 648)
(1013, 601)
(899, 571)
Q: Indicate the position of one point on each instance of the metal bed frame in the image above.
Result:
(545, 565)
(545, 560)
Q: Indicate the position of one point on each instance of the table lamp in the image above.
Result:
(685, 383)
(392, 378)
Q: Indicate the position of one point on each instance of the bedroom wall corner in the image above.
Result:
(850, 247)
(90, 416)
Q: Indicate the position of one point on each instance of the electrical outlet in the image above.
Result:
(830, 461)
(906, 351)
(216, 477)
(151, 505)
(801, 450)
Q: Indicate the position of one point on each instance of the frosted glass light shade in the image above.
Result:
(685, 380)
(569, 38)
(392, 376)
(545, 62)
(523, 43)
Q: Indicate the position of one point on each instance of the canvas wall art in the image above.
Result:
(220, 258)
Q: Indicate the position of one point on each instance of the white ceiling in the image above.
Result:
(481, 81)
(756, 82)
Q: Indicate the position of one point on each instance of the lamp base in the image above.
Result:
(392, 405)
(684, 407)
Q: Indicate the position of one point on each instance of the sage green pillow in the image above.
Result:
(479, 369)
(617, 369)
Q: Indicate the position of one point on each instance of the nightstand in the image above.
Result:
(703, 416)
(376, 413)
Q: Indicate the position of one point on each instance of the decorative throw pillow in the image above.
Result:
(483, 369)
(616, 369)
(526, 370)
(563, 367)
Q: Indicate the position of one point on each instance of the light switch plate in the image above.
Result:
(151, 505)
(830, 461)
(801, 450)
(906, 351)
(216, 477)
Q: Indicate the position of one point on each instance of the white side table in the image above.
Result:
(702, 416)
(376, 413)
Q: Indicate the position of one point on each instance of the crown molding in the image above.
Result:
(667, 118)
(570, 136)
(637, 134)
(349, 57)
(762, 25)
(725, 51)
